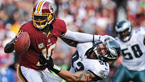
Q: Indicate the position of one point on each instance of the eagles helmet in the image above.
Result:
(112, 49)
(124, 30)
(43, 14)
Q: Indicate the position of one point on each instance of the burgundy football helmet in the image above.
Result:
(43, 14)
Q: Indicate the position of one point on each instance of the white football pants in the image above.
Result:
(30, 75)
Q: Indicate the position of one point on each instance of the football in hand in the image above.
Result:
(22, 43)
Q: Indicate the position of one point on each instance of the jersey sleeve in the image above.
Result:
(64, 29)
(100, 70)
(140, 32)
(22, 28)
(61, 26)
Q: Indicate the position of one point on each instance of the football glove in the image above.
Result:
(49, 64)
(105, 37)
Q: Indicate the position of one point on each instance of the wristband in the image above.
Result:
(97, 37)
(93, 39)
(56, 69)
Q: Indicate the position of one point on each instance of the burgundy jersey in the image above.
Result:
(40, 43)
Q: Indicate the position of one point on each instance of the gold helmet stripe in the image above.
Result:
(39, 6)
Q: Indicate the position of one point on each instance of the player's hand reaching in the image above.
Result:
(46, 62)
(105, 37)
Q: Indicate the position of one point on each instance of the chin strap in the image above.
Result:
(144, 41)
(49, 22)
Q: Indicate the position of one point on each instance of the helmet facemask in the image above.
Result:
(41, 20)
(100, 51)
(108, 51)
(125, 35)
(124, 30)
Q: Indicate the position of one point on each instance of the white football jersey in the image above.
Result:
(133, 51)
(80, 62)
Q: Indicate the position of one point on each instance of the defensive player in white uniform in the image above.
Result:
(89, 62)
(132, 46)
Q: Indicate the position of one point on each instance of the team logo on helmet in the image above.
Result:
(51, 8)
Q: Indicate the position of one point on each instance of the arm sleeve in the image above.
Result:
(80, 37)
(143, 34)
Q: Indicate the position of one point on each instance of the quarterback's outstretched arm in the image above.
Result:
(84, 37)
(80, 37)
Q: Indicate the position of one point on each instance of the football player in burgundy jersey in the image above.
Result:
(43, 29)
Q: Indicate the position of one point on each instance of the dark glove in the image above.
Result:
(48, 63)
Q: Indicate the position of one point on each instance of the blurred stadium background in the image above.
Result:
(89, 16)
